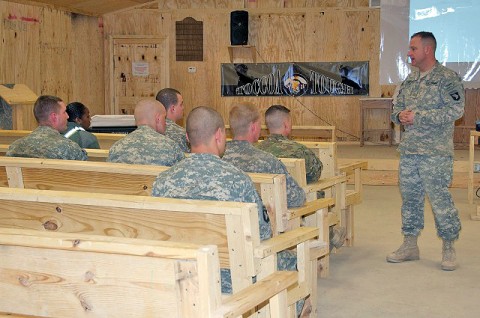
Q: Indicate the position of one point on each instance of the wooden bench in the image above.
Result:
(326, 151)
(299, 133)
(331, 182)
(80, 275)
(232, 226)
(116, 178)
(104, 139)
(335, 187)
(272, 191)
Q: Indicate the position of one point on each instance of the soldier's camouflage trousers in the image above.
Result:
(430, 175)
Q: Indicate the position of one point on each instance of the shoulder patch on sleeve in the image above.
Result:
(455, 95)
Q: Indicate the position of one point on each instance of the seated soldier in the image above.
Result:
(78, 122)
(204, 176)
(46, 141)
(172, 100)
(245, 124)
(147, 145)
(279, 124)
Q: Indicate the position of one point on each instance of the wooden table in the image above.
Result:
(367, 104)
(474, 135)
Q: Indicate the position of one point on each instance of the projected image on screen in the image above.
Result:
(455, 26)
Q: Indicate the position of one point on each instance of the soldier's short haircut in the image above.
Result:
(44, 106)
(241, 116)
(76, 110)
(202, 123)
(146, 111)
(275, 115)
(427, 38)
(168, 97)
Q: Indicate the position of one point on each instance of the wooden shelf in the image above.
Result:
(242, 53)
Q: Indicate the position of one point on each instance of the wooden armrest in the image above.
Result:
(9, 315)
(285, 240)
(332, 219)
(97, 153)
(325, 183)
(261, 291)
(310, 207)
(348, 168)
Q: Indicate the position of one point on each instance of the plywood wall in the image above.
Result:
(56, 52)
(222, 4)
(326, 34)
(53, 52)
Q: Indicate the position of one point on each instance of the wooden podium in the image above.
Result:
(21, 99)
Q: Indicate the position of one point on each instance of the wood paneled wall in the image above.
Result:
(53, 52)
(64, 54)
(299, 33)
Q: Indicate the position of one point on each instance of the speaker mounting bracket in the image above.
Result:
(242, 53)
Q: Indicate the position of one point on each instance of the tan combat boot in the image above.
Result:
(449, 259)
(408, 251)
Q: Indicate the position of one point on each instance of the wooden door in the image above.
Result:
(140, 70)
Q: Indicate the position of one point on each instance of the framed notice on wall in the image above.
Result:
(140, 69)
(295, 79)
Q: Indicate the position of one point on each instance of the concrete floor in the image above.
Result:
(353, 150)
(362, 284)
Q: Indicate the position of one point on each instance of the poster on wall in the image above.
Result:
(140, 69)
(295, 79)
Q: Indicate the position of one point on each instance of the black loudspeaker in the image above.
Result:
(239, 27)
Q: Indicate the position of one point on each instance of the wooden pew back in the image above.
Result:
(326, 151)
(232, 226)
(299, 133)
(104, 139)
(117, 178)
(80, 275)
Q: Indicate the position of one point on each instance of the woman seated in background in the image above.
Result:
(78, 121)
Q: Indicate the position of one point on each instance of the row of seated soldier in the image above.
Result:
(215, 169)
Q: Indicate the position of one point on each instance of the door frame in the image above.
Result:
(110, 102)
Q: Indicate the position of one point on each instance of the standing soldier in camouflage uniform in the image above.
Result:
(428, 103)
(204, 176)
(147, 145)
(245, 123)
(279, 124)
(172, 100)
(46, 141)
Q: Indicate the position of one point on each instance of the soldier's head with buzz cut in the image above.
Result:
(206, 131)
(245, 122)
(278, 120)
(150, 112)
